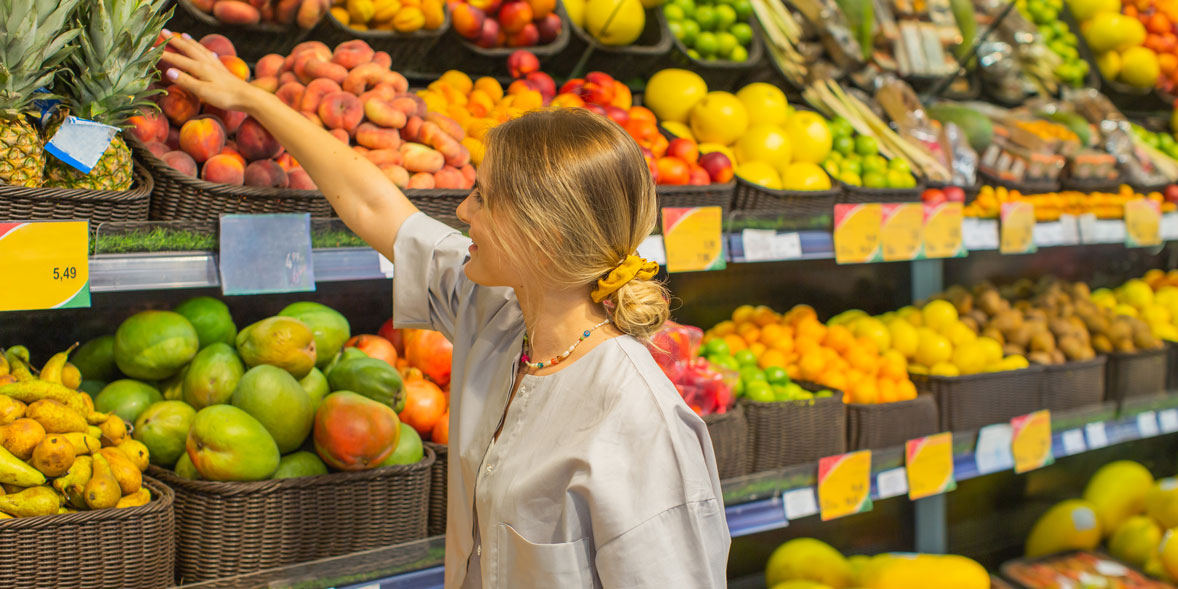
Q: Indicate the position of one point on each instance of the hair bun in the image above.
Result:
(639, 307)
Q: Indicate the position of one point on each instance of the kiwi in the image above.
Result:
(1042, 341)
(1081, 291)
(1039, 358)
(1020, 336)
(1071, 347)
(970, 323)
(989, 302)
(1058, 357)
(994, 334)
(1012, 350)
(1007, 321)
(1102, 344)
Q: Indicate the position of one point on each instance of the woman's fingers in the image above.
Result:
(187, 46)
(177, 60)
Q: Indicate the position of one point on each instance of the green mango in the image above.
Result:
(371, 378)
(345, 354)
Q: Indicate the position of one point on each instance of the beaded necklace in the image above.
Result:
(526, 360)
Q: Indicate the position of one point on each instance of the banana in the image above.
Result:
(30, 391)
(54, 367)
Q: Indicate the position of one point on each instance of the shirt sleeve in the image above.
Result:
(684, 546)
(429, 284)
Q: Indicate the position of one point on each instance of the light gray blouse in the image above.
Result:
(602, 476)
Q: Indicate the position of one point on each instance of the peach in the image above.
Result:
(373, 137)
(514, 15)
(202, 138)
(286, 11)
(269, 83)
(468, 174)
(467, 20)
(383, 59)
(397, 174)
(173, 139)
(223, 169)
(487, 6)
(255, 142)
(412, 130)
(411, 105)
(157, 148)
(315, 92)
(287, 161)
(352, 53)
(319, 47)
(341, 110)
(360, 150)
(291, 93)
(382, 113)
(489, 36)
(528, 36)
(520, 86)
(317, 68)
(267, 12)
(313, 117)
(219, 44)
(181, 162)
(236, 66)
(300, 180)
(521, 63)
(341, 134)
(363, 77)
(269, 65)
(400, 84)
(549, 28)
(149, 125)
(383, 157)
(567, 101)
(541, 8)
(231, 150)
(381, 91)
(230, 118)
(623, 98)
(419, 158)
(266, 174)
(179, 105)
(542, 82)
(236, 13)
(310, 13)
(449, 177)
(286, 78)
(205, 6)
(422, 181)
(299, 65)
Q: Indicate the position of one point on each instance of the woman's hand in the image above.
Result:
(199, 71)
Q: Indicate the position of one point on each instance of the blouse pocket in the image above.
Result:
(521, 563)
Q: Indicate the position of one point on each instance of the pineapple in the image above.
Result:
(35, 37)
(109, 79)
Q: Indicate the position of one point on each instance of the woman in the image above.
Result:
(574, 462)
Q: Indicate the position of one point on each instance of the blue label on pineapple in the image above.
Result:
(45, 106)
(80, 143)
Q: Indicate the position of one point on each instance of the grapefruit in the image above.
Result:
(1070, 525)
(810, 560)
(615, 22)
(671, 93)
(1117, 492)
(720, 117)
(805, 176)
(764, 142)
(760, 173)
(765, 103)
(810, 136)
(1139, 67)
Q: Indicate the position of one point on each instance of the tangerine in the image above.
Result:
(887, 390)
(905, 390)
(865, 391)
(724, 328)
(424, 405)
(757, 348)
(772, 358)
(838, 338)
(771, 332)
(764, 315)
(743, 313)
(735, 343)
(812, 365)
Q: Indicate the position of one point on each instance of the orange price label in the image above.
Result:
(942, 230)
(902, 231)
(1143, 223)
(693, 238)
(1030, 441)
(856, 233)
(844, 484)
(49, 261)
(929, 462)
(1018, 228)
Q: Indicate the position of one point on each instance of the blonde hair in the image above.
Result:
(574, 189)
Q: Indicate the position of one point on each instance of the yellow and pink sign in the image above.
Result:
(45, 265)
(844, 484)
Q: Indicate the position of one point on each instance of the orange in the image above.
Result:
(800, 312)
(810, 327)
(724, 328)
(735, 343)
(894, 366)
(743, 313)
(771, 332)
(1168, 62)
(772, 358)
(785, 344)
(793, 371)
(757, 348)
(806, 345)
(812, 365)
(834, 380)
(751, 335)
(863, 360)
(887, 390)
(865, 391)
(868, 344)
(905, 390)
(838, 338)
(763, 316)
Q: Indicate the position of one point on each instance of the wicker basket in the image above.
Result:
(409, 51)
(721, 74)
(130, 547)
(227, 529)
(457, 51)
(631, 62)
(1135, 374)
(1025, 188)
(1074, 384)
(729, 432)
(177, 196)
(20, 203)
(970, 402)
(439, 203)
(882, 425)
(1089, 185)
(438, 489)
(861, 194)
(1171, 365)
(751, 197)
(252, 42)
(794, 432)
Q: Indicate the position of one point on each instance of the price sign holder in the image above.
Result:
(46, 265)
(1031, 441)
(1169, 226)
(1018, 228)
(992, 452)
(844, 484)
(979, 234)
(1096, 435)
(263, 254)
(857, 233)
(693, 238)
(929, 461)
(943, 231)
(766, 245)
(1168, 420)
(901, 233)
(1143, 223)
(799, 503)
(891, 483)
(1147, 424)
(1073, 442)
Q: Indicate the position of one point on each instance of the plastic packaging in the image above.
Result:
(707, 389)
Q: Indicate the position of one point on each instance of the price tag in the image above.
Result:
(764, 245)
(1143, 223)
(1018, 226)
(1168, 419)
(45, 265)
(799, 503)
(930, 465)
(693, 238)
(902, 231)
(891, 483)
(652, 249)
(979, 234)
(1048, 234)
(1108, 231)
(943, 227)
(1170, 226)
(992, 452)
(1097, 437)
(80, 143)
(1069, 230)
(266, 254)
(856, 233)
(1147, 424)
(844, 484)
(1073, 442)
(386, 266)
(1031, 441)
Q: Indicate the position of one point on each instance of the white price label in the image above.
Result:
(652, 249)
(1109, 231)
(799, 503)
(892, 483)
(1048, 234)
(1147, 424)
(992, 452)
(386, 266)
(1168, 419)
(979, 234)
(1073, 442)
(1069, 230)
(764, 245)
(1097, 437)
(1169, 226)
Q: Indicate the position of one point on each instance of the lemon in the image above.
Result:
(1013, 362)
(671, 93)
(1136, 292)
(944, 369)
(1139, 67)
(1109, 64)
(911, 315)
(1107, 31)
(1125, 309)
(904, 338)
(874, 330)
(1168, 553)
(810, 136)
(805, 176)
(720, 117)
(678, 130)
(1161, 502)
(939, 314)
(760, 173)
(991, 348)
(615, 22)
(969, 358)
(808, 559)
(933, 349)
(763, 142)
(959, 334)
(1070, 525)
(766, 103)
(1135, 540)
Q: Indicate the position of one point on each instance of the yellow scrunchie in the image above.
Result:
(630, 268)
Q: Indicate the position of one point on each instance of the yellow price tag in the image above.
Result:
(693, 238)
(942, 230)
(929, 462)
(1143, 223)
(1030, 441)
(49, 260)
(844, 484)
(902, 231)
(856, 233)
(1018, 228)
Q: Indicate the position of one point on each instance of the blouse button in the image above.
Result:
(490, 468)
(479, 550)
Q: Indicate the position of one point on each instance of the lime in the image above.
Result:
(840, 127)
(751, 374)
(875, 163)
(776, 375)
(824, 393)
(851, 167)
(745, 358)
(706, 44)
(706, 17)
(844, 145)
(725, 17)
(726, 42)
(688, 7)
(899, 164)
(866, 145)
(781, 392)
(676, 28)
(832, 168)
(743, 32)
(875, 180)
(738, 388)
(798, 392)
(724, 361)
(897, 179)
(690, 32)
(716, 347)
(835, 157)
(850, 179)
(693, 54)
(673, 12)
(744, 9)
(759, 391)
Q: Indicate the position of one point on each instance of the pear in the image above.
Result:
(55, 417)
(102, 491)
(114, 431)
(83, 444)
(15, 472)
(136, 451)
(140, 497)
(21, 436)
(10, 410)
(31, 502)
(125, 472)
(73, 484)
(53, 456)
